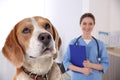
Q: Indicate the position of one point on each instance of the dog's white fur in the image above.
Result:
(31, 53)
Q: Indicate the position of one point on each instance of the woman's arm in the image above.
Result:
(104, 61)
(85, 71)
(88, 64)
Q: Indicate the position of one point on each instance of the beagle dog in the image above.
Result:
(32, 46)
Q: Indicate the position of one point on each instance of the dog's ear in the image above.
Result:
(12, 50)
(57, 39)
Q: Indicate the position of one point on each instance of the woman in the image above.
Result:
(93, 68)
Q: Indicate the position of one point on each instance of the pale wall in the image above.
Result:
(107, 13)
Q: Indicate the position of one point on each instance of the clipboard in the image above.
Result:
(78, 54)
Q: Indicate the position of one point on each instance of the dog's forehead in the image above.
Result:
(37, 19)
(41, 19)
(33, 23)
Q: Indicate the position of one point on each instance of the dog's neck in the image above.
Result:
(35, 76)
(40, 65)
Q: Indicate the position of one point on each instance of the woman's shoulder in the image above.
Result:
(100, 42)
(72, 41)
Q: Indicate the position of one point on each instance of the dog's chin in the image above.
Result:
(40, 64)
(47, 52)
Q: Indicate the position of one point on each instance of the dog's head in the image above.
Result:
(31, 37)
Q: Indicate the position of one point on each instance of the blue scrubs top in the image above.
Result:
(92, 56)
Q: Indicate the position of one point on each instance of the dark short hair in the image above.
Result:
(87, 15)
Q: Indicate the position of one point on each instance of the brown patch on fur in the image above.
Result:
(12, 50)
(57, 41)
(18, 71)
(17, 42)
(54, 71)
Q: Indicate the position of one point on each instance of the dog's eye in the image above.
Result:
(26, 30)
(47, 26)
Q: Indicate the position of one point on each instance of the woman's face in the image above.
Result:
(87, 25)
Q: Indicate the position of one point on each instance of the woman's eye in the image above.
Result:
(26, 30)
(47, 26)
(84, 23)
(90, 23)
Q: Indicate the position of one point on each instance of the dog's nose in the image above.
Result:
(45, 38)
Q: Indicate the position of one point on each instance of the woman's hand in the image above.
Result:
(86, 71)
(87, 64)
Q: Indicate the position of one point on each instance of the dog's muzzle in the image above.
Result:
(45, 38)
